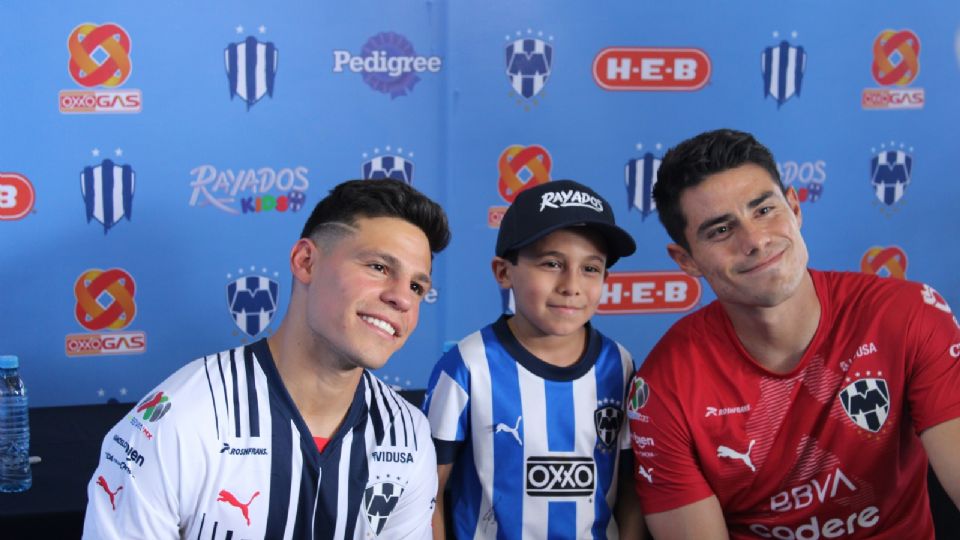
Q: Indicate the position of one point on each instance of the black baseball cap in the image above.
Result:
(542, 209)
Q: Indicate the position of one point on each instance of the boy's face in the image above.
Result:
(556, 282)
(744, 237)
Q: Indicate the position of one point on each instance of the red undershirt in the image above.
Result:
(321, 443)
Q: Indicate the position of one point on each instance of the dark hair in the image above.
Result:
(355, 199)
(690, 162)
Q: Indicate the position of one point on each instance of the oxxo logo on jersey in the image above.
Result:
(560, 476)
(105, 301)
(388, 62)
(99, 57)
(250, 191)
(651, 68)
(896, 63)
(648, 292)
(16, 196)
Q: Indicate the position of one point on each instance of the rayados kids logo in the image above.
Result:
(250, 191)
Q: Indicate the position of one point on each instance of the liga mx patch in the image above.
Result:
(867, 403)
(608, 419)
(382, 167)
(379, 500)
(107, 191)
(528, 65)
(890, 174)
(253, 302)
(251, 69)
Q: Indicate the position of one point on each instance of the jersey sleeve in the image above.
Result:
(447, 404)
(667, 474)
(935, 367)
(626, 360)
(132, 495)
(413, 516)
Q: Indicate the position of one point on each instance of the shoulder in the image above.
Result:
(856, 290)
(392, 412)
(686, 339)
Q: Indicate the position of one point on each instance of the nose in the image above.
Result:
(399, 295)
(753, 237)
(569, 282)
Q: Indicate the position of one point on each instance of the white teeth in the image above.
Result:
(383, 325)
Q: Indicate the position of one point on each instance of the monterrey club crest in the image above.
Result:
(867, 403)
(608, 418)
(253, 302)
(528, 65)
(378, 501)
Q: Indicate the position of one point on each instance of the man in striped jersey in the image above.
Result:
(527, 413)
(291, 437)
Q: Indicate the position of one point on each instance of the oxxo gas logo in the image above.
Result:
(105, 302)
(648, 292)
(520, 168)
(388, 63)
(885, 262)
(651, 68)
(250, 191)
(99, 57)
(16, 196)
(896, 63)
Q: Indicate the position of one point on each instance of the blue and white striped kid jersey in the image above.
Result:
(536, 448)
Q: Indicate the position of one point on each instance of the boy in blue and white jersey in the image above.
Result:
(527, 413)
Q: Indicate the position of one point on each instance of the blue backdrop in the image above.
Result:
(159, 159)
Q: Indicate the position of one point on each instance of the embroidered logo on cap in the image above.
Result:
(568, 198)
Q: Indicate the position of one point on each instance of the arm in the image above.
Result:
(439, 525)
(627, 511)
(702, 520)
(941, 442)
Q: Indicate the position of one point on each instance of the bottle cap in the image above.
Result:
(9, 361)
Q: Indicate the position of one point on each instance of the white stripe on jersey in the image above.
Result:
(533, 401)
(481, 414)
(296, 470)
(451, 399)
(585, 399)
(344, 472)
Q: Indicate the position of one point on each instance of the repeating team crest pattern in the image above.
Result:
(395, 167)
(890, 172)
(529, 63)
(253, 302)
(783, 67)
(251, 69)
(640, 176)
(107, 191)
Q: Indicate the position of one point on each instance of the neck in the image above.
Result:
(560, 351)
(777, 337)
(321, 391)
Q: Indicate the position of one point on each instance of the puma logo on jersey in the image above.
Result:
(229, 498)
(102, 482)
(646, 473)
(511, 430)
(727, 452)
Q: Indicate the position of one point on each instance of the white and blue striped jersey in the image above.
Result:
(535, 448)
(219, 451)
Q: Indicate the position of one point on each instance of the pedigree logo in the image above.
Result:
(651, 69)
(648, 292)
(99, 57)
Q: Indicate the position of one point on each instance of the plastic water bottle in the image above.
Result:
(14, 428)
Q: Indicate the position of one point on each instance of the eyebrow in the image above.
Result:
(560, 255)
(395, 263)
(729, 217)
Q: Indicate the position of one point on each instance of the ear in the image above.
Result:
(302, 258)
(684, 260)
(501, 273)
(793, 201)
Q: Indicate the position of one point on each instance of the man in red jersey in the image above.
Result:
(801, 404)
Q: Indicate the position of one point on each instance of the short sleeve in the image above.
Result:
(934, 341)
(667, 474)
(447, 403)
(130, 495)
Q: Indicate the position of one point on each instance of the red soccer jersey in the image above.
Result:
(829, 450)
